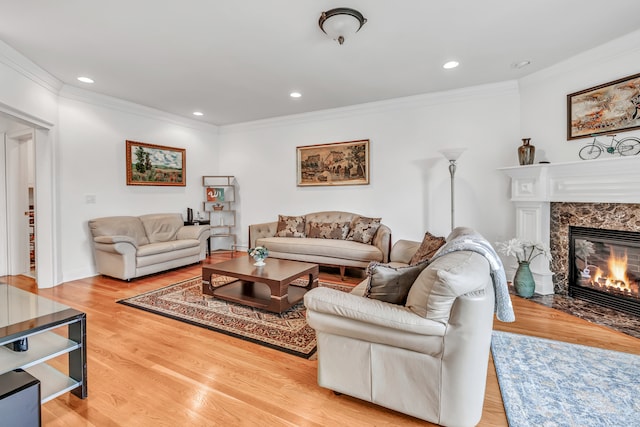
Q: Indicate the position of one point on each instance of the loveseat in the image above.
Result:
(126, 247)
(425, 355)
(333, 238)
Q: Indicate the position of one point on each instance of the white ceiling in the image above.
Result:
(237, 61)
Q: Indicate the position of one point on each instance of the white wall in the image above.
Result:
(91, 161)
(543, 95)
(409, 178)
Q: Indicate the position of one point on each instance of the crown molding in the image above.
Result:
(24, 66)
(610, 51)
(25, 118)
(404, 103)
(82, 95)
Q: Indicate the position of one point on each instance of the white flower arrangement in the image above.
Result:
(524, 251)
(259, 251)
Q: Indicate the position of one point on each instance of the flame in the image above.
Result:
(617, 277)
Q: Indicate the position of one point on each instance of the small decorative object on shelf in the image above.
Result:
(526, 152)
(218, 207)
(259, 253)
(524, 252)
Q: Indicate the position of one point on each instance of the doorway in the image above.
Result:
(20, 202)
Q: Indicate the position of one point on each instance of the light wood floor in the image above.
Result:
(148, 370)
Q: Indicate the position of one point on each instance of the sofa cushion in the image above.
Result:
(391, 284)
(162, 227)
(327, 230)
(437, 287)
(170, 246)
(290, 226)
(429, 246)
(363, 229)
(130, 226)
(340, 249)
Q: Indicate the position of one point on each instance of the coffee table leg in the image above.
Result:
(313, 281)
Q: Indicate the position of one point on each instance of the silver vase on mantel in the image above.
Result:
(526, 152)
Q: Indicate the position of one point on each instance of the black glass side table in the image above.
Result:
(36, 325)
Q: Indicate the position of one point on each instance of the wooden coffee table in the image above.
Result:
(261, 287)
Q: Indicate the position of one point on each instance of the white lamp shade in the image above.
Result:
(341, 25)
(452, 153)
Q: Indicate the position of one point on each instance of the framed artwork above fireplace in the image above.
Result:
(607, 108)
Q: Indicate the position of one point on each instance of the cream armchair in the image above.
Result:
(427, 358)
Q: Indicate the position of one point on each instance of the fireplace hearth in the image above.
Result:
(604, 267)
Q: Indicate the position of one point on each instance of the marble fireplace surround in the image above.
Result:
(548, 198)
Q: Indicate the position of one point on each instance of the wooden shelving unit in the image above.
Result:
(219, 204)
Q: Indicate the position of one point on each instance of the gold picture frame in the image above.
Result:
(150, 164)
(607, 108)
(338, 163)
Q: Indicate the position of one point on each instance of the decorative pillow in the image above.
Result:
(391, 284)
(290, 226)
(363, 229)
(429, 246)
(327, 230)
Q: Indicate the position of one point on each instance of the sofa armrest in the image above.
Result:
(121, 245)
(369, 311)
(193, 232)
(403, 250)
(258, 231)
(382, 240)
(106, 240)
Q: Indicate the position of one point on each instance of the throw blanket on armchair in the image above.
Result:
(477, 243)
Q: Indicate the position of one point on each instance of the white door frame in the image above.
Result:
(47, 259)
(17, 200)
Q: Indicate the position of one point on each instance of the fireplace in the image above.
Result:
(604, 267)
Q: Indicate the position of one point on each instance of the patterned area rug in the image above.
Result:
(552, 383)
(184, 301)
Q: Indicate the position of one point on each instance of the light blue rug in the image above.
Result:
(552, 384)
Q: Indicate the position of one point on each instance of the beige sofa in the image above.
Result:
(332, 251)
(427, 358)
(126, 247)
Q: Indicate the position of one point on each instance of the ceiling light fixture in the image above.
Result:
(295, 94)
(451, 64)
(341, 22)
(85, 79)
(198, 113)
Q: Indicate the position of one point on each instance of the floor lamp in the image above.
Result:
(452, 154)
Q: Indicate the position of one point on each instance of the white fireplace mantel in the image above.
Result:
(534, 187)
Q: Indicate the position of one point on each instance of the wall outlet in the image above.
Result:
(90, 199)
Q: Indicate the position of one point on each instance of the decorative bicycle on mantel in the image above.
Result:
(629, 146)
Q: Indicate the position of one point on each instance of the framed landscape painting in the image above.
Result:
(340, 163)
(607, 108)
(149, 164)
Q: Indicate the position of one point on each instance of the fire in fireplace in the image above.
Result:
(605, 267)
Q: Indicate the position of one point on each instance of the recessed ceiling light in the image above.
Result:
(450, 64)
(198, 113)
(520, 64)
(85, 79)
(295, 94)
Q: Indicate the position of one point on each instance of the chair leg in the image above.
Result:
(342, 270)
